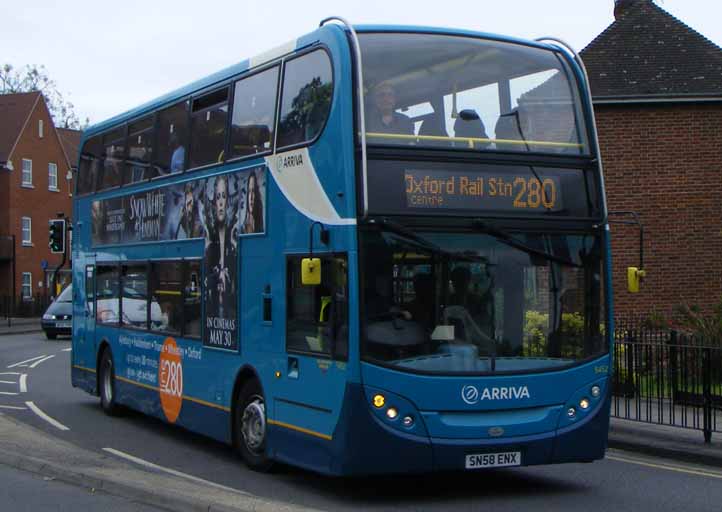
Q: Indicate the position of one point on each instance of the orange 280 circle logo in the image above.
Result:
(170, 380)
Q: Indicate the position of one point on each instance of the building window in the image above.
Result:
(40, 128)
(27, 231)
(52, 176)
(27, 172)
(27, 286)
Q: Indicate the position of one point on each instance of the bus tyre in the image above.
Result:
(106, 382)
(250, 427)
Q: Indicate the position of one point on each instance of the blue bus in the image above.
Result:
(374, 249)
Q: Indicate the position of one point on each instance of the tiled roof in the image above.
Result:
(70, 139)
(647, 52)
(14, 111)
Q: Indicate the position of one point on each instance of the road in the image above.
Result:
(624, 481)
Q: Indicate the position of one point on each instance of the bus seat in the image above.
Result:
(472, 128)
(433, 125)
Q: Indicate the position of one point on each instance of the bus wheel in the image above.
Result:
(250, 427)
(107, 384)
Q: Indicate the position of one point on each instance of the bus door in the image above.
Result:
(312, 387)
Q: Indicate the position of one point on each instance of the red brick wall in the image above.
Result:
(665, 162)
(39, 203)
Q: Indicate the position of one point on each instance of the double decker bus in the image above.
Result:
(375, 249)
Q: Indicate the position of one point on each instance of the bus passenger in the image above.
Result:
(382, 117)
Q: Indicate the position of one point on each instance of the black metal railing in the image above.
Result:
(668, 378)
(23, 307)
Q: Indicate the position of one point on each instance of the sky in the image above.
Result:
(108, 57)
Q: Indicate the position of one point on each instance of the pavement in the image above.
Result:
(674, 443)
(19, 325)
(29, 449)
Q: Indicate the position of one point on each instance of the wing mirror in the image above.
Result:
(311, 271)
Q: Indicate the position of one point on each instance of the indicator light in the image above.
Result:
(379, 401)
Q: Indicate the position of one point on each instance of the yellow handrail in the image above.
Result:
(471, 140)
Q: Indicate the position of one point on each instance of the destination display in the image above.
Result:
(439, 189)
(463, 189)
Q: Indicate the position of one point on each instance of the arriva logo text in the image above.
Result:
(471, 394)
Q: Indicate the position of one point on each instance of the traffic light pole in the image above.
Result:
(55, 273)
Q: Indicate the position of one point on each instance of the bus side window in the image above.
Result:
(172, 141)
(114, 153)
(90, 159)
(208, 128)
(306, 100)
(254, 110)
(317, 316)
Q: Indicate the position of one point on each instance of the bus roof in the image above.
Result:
(284, 49)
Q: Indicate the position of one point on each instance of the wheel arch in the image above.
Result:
(245, 374)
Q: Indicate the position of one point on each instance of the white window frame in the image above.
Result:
(28, 285)
(40, 128)
(53, 167)
(27, 174)
(29, 241)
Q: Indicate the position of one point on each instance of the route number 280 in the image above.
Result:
(171, 378)
(530, 193)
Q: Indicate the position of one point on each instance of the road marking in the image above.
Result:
(67, 349)
(44, 416)
(23, 363)
(41, 361)
(147, 464)
(24, 383)
(14, 407)
(8, 393)
(7, 382)
(10, 373)
(666, 467)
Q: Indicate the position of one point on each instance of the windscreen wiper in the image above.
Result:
(405, 232)
(511, 241)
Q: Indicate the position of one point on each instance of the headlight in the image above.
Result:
(584, 403)
(571, 412)
(596, 391)
(392, 413)
(47, 316)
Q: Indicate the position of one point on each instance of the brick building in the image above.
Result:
(657, 91)
(35, 184)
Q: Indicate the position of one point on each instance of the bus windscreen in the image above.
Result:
(463, 93)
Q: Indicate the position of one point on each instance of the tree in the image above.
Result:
(35, 78)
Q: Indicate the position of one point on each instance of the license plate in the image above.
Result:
(62, 325)
(493, 460)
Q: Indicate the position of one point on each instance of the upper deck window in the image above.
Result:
(114, 158)
(254, 110)
(172, 139)
(306, 100)
(474, 94)
(90, 160)
(208, 128)
(140, 150)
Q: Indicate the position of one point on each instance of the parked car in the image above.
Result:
(58, 318)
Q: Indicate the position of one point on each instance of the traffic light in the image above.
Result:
(57, 236)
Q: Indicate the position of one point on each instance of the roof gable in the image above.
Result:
(648, 52)
(14, 112)
(70, 139)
